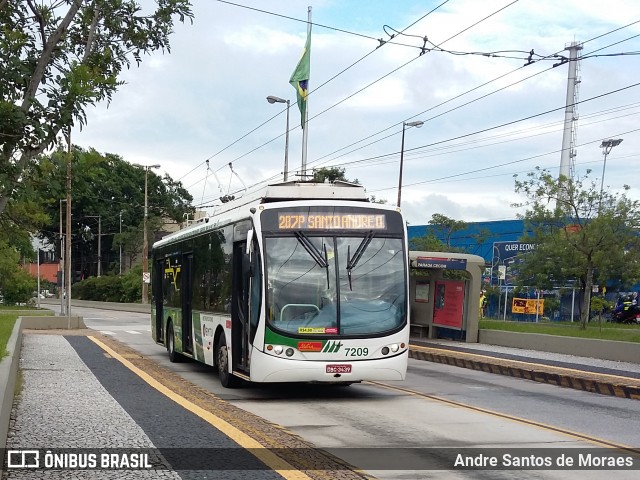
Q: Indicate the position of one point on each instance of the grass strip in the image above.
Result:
(6, 327)
(595, 330)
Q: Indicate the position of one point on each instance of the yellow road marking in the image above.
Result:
(269, 458)
(533, 423)
(520, 362)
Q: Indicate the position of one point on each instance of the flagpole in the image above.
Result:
(305, 130)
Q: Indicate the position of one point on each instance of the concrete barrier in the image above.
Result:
(582, 347)
(52, 322)
(52, 303)
(8, 376)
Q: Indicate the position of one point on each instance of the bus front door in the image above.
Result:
(240, 310)
(187, 292)
(158, 299)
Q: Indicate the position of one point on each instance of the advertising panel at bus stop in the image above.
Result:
(505, 259)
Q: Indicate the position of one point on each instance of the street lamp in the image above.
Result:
(606, 146)
(62, 264)
(272, 99)
(145, 246)
(99, 236)
(120, 261)
(418, 124)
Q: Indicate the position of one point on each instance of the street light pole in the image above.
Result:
(120, 262)
(418, 124)
(99, 217)
(145, 246)
(607, 146)
(272, 99)
(62, 264)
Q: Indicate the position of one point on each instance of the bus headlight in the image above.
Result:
(394, 347)
(385, 350)
(278, 349)
(289, 352)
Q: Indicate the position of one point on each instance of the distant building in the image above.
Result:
(478, 238)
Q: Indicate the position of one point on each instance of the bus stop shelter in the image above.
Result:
(444, 306)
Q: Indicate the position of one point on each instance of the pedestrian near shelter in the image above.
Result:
(441, 306)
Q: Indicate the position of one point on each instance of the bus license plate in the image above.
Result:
(338, 368)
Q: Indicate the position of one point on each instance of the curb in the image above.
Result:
(552, 376)
(8, 376)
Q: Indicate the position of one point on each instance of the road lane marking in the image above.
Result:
(133, 332)
(107, 332)
(265, 455)
(533, 423)
(511, 362)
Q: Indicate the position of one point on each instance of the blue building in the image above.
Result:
(478, 238)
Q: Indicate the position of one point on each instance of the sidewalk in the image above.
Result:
(81, 399)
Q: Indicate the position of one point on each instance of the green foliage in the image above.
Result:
(105, 185)
(20, 289)
(612, 331)
(428, 243)
(6, 327)
(58, 58)
(16, 285)
(599, 304)
(580, 235)
(551, 305)
(111, 288)
(330, 174)
(445, 227)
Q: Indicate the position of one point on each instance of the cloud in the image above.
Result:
(206, 100)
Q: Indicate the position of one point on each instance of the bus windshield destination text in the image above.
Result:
(329, 221)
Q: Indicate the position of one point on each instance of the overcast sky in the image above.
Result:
(206, 100)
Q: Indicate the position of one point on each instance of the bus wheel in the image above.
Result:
(228, 380)
(174, 356)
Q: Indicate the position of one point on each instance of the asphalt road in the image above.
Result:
(437, 406)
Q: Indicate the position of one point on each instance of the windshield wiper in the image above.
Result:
(314, 252)
(353, 261)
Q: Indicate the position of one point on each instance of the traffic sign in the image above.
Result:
(146, 277)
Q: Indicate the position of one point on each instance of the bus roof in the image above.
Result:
(279, 192)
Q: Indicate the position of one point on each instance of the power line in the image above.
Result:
(548, 57)
(512, 162)
(385, 156)
(380, 78)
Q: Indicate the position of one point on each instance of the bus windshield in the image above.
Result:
(335, 285)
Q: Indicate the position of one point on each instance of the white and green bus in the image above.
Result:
(299, 282)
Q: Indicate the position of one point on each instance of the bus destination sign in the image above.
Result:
(331, 221)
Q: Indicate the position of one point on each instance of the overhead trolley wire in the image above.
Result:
(547, 57)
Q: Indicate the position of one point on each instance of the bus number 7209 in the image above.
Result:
(356, 352)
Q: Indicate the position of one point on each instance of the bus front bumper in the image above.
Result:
(268, 368)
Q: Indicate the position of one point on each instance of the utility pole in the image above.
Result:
(62, 264)
(120, 262)
(99, 244)
(68, 238)
(566, 157)
(145, 246)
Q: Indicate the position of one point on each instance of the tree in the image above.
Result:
(16, 285)
(427, 243)
(445, 227)
(108, 187)
(329, 174)
(55, 63)
(580, 234)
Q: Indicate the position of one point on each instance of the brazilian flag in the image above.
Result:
(300, 79)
